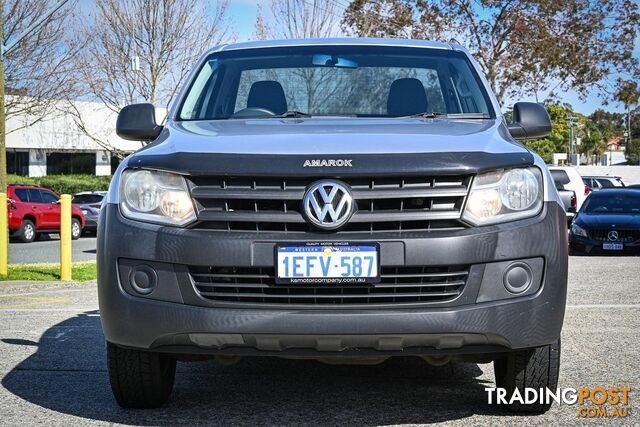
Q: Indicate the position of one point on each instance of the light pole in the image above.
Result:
(4, 49)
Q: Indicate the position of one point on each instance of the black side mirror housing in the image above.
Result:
(530, 120)
(137, 122)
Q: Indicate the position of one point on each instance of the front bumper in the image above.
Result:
(484, 318)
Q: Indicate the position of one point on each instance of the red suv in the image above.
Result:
(35, 210)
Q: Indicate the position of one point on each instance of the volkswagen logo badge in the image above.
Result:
(613, 235)
(328, 204)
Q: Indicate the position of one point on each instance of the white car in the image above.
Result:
(571, 180)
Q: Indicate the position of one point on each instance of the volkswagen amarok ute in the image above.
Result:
(332, 199)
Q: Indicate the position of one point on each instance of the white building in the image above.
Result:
(56, 145)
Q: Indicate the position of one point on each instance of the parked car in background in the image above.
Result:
(568, 198)
(36, 210)
(609, 221)
(90, 203)
(570, 179)
(598, 182)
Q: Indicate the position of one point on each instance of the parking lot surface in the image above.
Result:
(52, 365)
(47, 249)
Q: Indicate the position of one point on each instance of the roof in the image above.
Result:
(602, 176)
(343, 41)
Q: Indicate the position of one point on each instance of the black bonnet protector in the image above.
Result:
(292, 165)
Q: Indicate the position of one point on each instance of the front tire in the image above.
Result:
(140, 379)
(534, 368)
(27, 231)
(76, 229)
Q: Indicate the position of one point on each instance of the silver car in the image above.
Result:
(90, 202)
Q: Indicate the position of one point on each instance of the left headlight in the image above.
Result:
(157, 197)
(504, 195)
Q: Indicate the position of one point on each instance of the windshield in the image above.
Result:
(612, 203)
(352, 81)
(81, 199)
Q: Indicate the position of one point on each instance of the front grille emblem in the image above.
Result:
(328, 204)
(613, 235)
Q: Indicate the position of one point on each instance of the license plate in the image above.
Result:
(317, 263)
(613, 246)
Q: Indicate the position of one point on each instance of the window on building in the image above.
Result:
(115, 162)
(71, 163)
(18, 162)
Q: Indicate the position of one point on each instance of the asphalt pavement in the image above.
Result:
(52, 368)
(47, 249)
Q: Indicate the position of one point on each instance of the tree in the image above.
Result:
(628, 94)
(296, 19)
(141, 50)
(522, 46)
(633, 147)
(609, 124)
(558, 140)
(39, 70)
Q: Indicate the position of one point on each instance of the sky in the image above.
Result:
(243, 13)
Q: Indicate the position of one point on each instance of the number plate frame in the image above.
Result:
(326, 280)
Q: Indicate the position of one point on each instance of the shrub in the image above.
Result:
(64, 184)
(21, 180)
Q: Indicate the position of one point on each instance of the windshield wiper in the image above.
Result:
(435, 114)
(292, 114)
(426, 115)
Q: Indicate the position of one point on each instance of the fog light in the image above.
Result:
(143, 279)
(517, 277)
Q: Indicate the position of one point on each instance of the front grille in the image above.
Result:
(263, 204)
(398, 285)
(624, 236)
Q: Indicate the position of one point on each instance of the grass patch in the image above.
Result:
(80, 271)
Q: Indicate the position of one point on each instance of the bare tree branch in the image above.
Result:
(163, 38)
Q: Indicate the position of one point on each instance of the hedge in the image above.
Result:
(64, 184)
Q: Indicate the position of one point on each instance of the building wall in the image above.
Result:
(58, 132)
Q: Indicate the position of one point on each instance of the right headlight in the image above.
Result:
(576, 230)
(504, 195)
(158, 197)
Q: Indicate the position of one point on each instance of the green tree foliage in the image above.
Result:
(558, 139)
(521, 46)
(609, 124)
(633, 148)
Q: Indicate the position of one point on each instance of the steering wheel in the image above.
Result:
(253, 112)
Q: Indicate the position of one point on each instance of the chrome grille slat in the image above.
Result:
(385, 204)
(398, 285)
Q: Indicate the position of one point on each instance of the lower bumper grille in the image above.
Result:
(398, 285)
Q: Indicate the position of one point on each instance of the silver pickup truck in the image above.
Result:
(344, 199)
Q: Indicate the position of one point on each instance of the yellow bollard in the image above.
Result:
(4, 235)
(65, 237)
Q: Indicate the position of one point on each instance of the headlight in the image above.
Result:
(578, 231)
(504, 195)
(158, 197)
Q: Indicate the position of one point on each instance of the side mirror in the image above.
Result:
(530, 120)
(137, 122)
